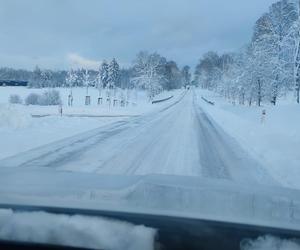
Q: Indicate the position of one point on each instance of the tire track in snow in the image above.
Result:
(223, 157)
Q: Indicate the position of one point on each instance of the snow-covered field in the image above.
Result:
(273, 141)
(137, 102)
(25, 127)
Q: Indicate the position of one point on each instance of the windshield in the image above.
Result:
(169, 108)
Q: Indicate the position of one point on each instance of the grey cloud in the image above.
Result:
(47, 31)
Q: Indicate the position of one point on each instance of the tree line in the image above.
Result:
(149, 71)
(265, 69)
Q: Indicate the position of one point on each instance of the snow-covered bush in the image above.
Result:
(50, 97)
(13, 118)
(15, 99)
(32, 99)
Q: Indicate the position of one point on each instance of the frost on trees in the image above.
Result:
(267, 68)
(186, 76)
(86, 84)
(293, 45)
(35, 81)
(271, 30)
(70, 82)
(112, 79)
(39, 78)
(207, 71)
(104, 74)
(46, 77)
(147, 73)
(173, 77)
(99, 85)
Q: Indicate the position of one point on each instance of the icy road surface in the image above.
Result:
(180, 139)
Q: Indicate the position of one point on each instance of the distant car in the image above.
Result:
(13, 83)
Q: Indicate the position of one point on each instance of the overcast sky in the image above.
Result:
(58, 33)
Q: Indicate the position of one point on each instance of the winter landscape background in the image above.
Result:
(127, 135)
(262, 75)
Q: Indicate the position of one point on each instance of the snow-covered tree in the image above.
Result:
(86, 80)
(71, 80)
(186, 75)
(148, 74)
(104, 73)
(113, 75)
(207, 72)
(46, 79)
(172, 76)
(265, 70)
(36, 79)
(98, 81)
(270, 32)
(292, 41)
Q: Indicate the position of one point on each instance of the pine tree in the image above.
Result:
(104, 74)
(113, 74)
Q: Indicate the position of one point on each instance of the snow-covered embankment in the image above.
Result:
(274, 140)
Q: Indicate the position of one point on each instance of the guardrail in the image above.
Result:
(162, 100)
(209, 102)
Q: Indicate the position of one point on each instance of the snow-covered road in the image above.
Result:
(180, 139)
(175, 160)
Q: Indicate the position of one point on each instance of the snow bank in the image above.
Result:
(275, 142)
(270, 243)
(12, 118)
(42, 131)
(77, 231)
